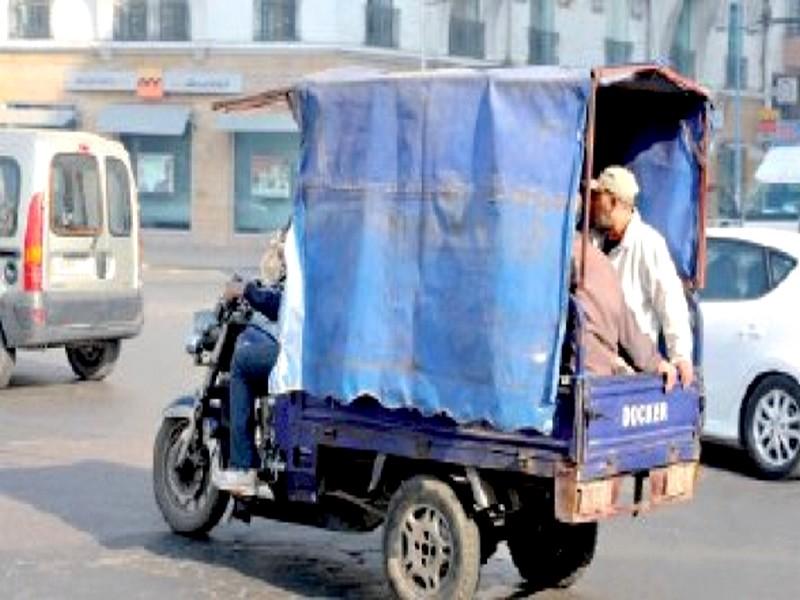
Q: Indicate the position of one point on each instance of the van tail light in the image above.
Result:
(32, 253)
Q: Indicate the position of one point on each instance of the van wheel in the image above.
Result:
(8, 358)
(549, 553)
(431, 548)
(93, 360)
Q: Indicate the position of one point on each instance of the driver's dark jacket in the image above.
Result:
(264, 299)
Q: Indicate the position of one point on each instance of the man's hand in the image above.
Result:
(686, 371)
(670, 374)
(233, 289)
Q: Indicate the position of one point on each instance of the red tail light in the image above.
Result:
(32, 254)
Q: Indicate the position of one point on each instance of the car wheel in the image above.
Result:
(8, 358)
(431, 547)
(93, 360)
(771, 426)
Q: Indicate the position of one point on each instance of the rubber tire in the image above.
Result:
(95, 369)
(548, 553)
(8, 358)
(181, 521)
(769, 383)
(466, 538)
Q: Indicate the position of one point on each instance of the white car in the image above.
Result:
(751, 354)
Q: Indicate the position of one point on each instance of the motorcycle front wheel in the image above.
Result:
(189, 502)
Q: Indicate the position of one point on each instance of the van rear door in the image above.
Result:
(123, 230)
(75, 266)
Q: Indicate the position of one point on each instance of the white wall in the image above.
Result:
(224, 20)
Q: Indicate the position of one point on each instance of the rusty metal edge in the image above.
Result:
(254, 101)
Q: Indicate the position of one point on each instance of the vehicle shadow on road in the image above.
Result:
(726, 458)
(113, 503)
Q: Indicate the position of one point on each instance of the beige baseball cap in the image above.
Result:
(617, 181)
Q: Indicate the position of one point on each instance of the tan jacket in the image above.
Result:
(609, 323)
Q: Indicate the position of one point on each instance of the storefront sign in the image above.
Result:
(193, 82)
(100, 81)
(171, 82)
(784, 132)
(150, 84)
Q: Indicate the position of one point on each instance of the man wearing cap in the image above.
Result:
(650, 283)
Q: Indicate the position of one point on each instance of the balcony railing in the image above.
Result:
(276, 20)
(618, 52)
(174, 23)
(30, 19)
(467, 37)
(542, 47)
(382, 26)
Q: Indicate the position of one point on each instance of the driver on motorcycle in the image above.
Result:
(254, 356)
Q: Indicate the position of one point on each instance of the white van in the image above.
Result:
(69, 248)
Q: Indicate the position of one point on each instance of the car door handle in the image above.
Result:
(751, 331)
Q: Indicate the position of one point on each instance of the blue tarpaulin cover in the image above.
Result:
(432, 227)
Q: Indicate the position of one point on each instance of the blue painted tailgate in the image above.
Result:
(631, 426)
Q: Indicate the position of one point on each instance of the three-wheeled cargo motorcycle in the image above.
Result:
(420, 384)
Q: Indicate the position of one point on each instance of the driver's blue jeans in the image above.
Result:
(253, 358)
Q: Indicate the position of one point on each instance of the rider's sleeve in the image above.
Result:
(265, 300)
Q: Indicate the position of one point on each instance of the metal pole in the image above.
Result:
(736, 32)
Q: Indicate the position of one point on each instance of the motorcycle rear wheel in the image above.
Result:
(190, 503)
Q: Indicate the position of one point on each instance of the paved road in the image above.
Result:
(77, 518)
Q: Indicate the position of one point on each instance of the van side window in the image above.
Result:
(9, 196)
(76, 206)
(118, 192)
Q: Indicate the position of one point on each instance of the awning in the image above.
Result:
(53, 118)
(780, 165)
(143, 119)
(273, 123)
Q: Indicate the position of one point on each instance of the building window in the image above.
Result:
(542, 37)
(264, 180)
(682, 53)
(382, 21)
(29, 19)
(730, 72)
(162, 166)
(174, 21)
(163, 20)
(467, 31)
(793, 28)
(130, 20)
(618, 52)
(276, 20)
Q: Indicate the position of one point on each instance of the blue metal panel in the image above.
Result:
(633, 425)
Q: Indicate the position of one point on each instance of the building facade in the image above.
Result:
(147, 71)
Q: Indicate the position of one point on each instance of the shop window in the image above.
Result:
(118, 194)
(162, 167)
(9, 196)
(75, 195)
(264, 180)
(275, 20)
(29, 19)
